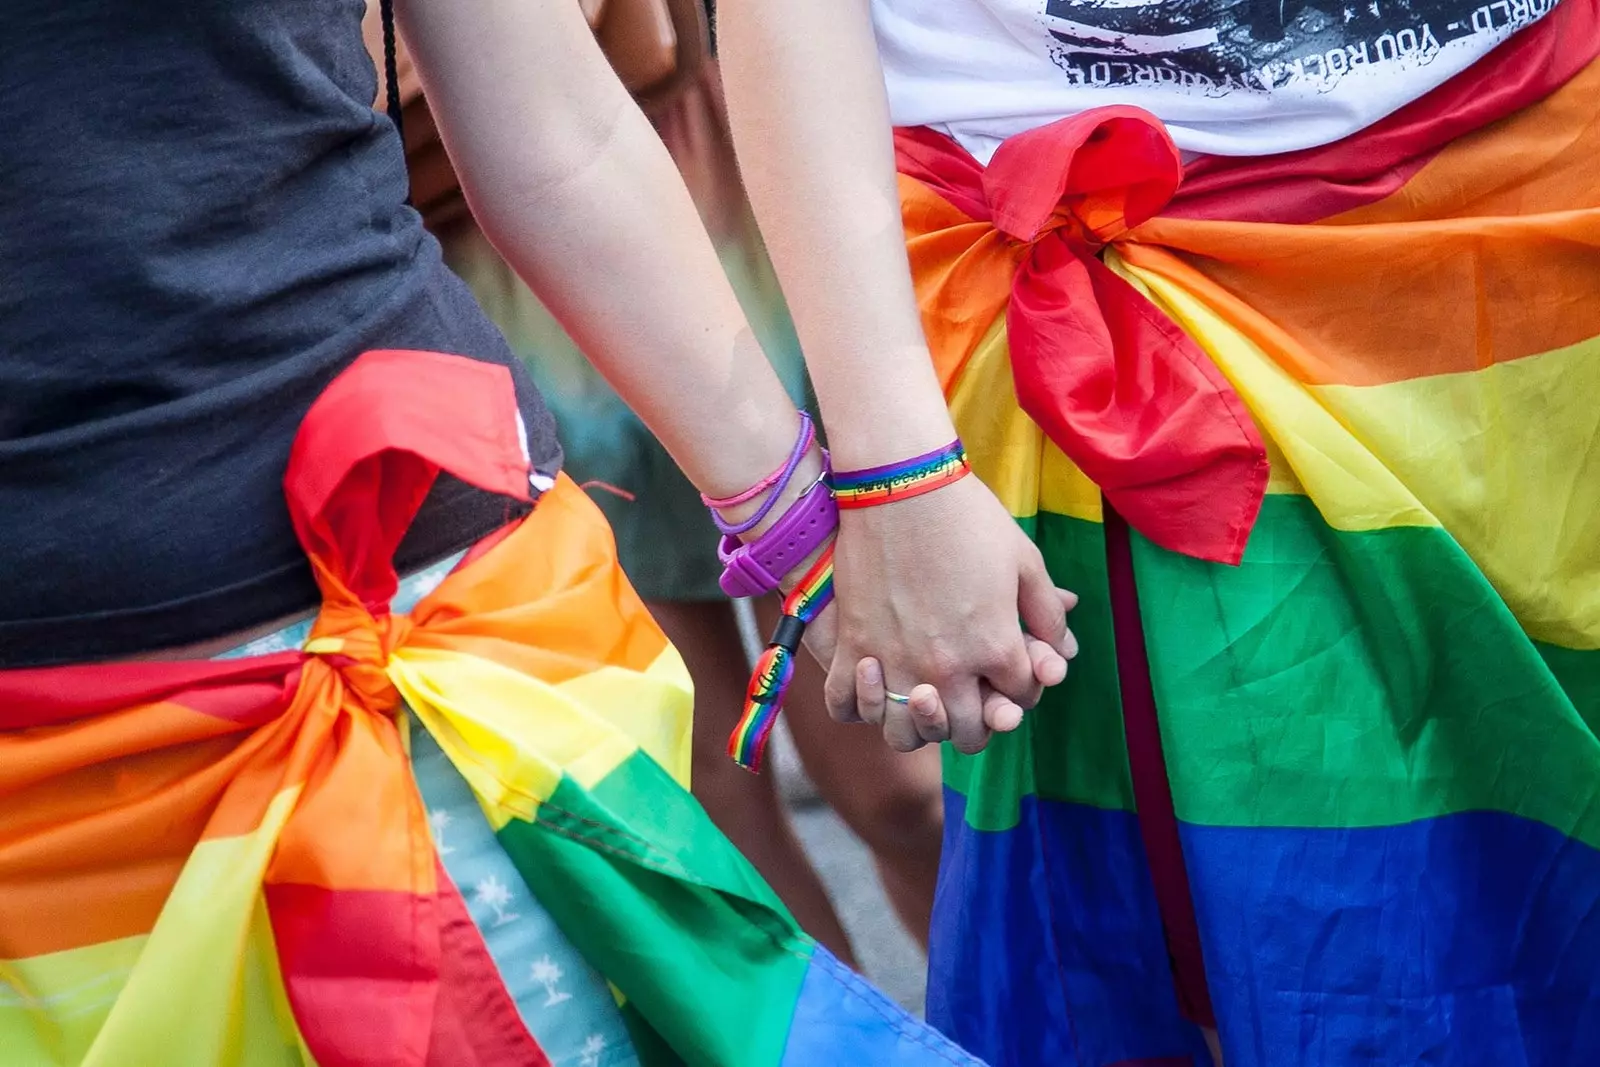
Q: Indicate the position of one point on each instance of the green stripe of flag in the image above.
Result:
(1361, 679)
(663, 906)
(1578, 673)
(1070, 748)
(648, 1046)
(1335, 679)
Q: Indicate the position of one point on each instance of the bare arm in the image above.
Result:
(811, 122)
(806, 99)
(576, 191)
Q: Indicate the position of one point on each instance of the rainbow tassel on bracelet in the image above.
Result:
(775, 667)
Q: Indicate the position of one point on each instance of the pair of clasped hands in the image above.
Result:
(942, 598)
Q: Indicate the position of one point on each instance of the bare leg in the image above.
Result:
(744, 806)
(892, 801)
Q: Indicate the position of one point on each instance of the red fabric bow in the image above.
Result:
(1119, 387)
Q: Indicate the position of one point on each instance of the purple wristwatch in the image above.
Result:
(756, 569)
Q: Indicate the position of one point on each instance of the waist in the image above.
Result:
(245, 579)
(291, 634)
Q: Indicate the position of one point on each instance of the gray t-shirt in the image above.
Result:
(202, 221)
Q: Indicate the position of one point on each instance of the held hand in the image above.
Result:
(929, 593)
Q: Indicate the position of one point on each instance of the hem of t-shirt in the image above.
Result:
(285, 591)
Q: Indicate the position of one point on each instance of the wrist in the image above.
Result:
(791, 528)
(749, 454)
(881, 448)
(897, 412)
(806, 473)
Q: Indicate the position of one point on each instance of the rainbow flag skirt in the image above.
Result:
(1317, 439)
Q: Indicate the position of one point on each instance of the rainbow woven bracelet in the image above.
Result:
(901, 481)
(775, 668)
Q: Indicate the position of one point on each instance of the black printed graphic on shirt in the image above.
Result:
(1215, 47)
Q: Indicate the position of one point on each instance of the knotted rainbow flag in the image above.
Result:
(227, 862)
(1348, 402)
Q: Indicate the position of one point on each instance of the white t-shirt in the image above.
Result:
(1232, 77)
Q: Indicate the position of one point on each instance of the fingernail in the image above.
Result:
(1070, 645)
(871, 673)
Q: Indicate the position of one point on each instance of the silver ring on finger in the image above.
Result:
(898, 698)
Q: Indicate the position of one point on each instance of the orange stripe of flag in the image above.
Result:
(490, 610)
(1539, 160)
(1371, 305)
(91, 842)
(1490, 254)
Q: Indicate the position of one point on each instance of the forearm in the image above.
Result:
(620, 257)
(811, 123)
(576, 191)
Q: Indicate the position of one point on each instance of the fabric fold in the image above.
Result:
(1123, 392)
(228, 863)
